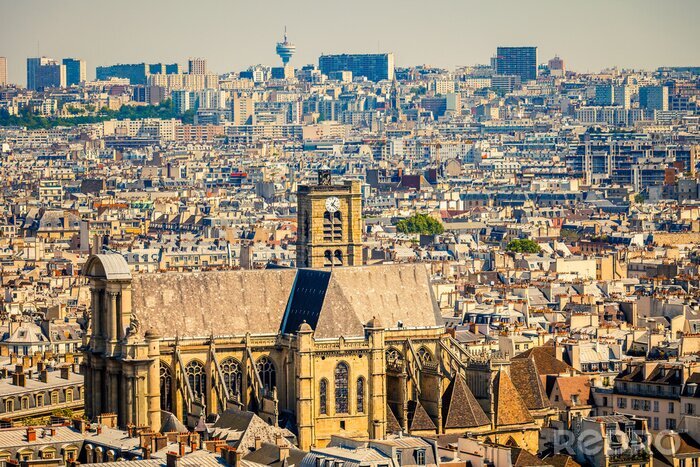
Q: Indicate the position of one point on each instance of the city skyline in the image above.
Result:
(636, 34)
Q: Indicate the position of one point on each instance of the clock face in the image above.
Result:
(332, 204)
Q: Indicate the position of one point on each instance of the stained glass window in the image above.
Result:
(323, 397)
(266, 370)
(166, 384)
(197, 378)
(341, 388)
(233, 378)
(360, 395)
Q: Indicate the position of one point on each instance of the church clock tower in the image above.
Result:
(329, 224)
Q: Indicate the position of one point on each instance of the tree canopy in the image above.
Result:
(523, 245)
(32, 121)
(421, 224)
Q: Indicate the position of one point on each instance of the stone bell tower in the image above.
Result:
(329, 223)
(121, 360)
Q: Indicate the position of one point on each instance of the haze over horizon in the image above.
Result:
(642, 34)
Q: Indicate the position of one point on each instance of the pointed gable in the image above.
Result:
(529, 383)
(460, 408)
(418, 418)
(392, 423)
(509, 406)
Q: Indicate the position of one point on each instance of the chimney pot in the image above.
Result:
(172, 459)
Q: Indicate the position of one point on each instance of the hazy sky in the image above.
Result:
(233, 34)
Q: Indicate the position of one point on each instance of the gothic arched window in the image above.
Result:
(425, 355)
(360, 395)
(327, 258)
(233, 377)
(341, 388)
(338, 258)
(266, 370)
(393, 356)
(166, 388)
(323, 396)
(197, 378)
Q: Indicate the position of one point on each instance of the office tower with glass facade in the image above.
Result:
(374, 67)
(518, 61)
(76, 71)
(44, 72)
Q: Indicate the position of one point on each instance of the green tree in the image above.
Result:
(639, 198)
(523, 245)
(421, 224)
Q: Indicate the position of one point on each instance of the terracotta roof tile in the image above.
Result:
(418, 418)
(510, 408)
(460, 408)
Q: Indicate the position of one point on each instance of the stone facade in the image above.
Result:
(329, 239)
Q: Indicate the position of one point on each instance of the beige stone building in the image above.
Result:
(329, 223)
(355, 351)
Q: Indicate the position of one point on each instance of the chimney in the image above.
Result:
(145, 439)
(13, 359)
(31, 434)
(99, 428)
(40, 365)
(79, 424)
(258, 443)
(26, 361)
(3, 373)
(231, 456)
(172, 459)
(146, 452)
(65, 373)
(160, 442)
(182, 446)
(284, 452)
(19, 379)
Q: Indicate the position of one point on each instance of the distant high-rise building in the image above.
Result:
(3, 71)
(164, 68)
(285, 49)
(505, 83)
(136, 73)
(623, 96)
(182, 100)
(556, 67)
(44, 72)
(374, 67)
(518, 61)
(605, 94)
(197, 66)
(76, 71)
(653, 97)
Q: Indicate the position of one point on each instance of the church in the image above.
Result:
(331, 347)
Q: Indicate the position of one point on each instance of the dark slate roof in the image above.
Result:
(460, 408)
(269, 454)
